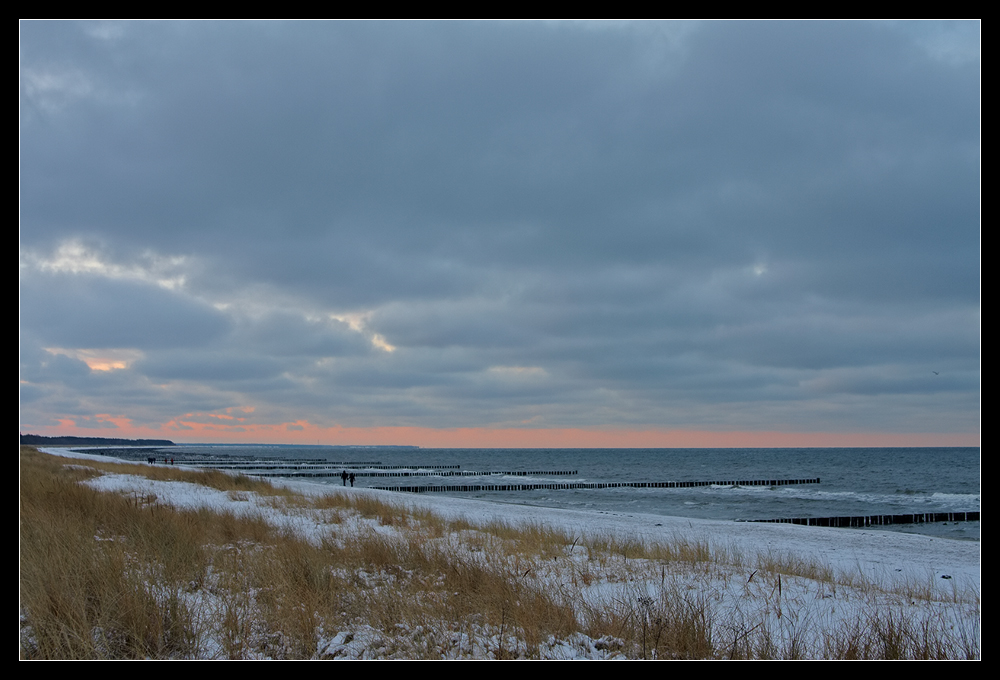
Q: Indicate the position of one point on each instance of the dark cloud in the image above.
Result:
(87, 311)
(458, 224)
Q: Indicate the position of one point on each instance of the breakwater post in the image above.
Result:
(875, 520)
(596, 485)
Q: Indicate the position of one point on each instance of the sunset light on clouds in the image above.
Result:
(462, 234)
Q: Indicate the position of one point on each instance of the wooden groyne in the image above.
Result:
(425, 473)
(876, 520)
(470, 473)
(339, 466)
(597, 485)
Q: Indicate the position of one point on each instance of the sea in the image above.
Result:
(852, 481)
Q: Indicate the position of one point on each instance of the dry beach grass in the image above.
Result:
(276, 574)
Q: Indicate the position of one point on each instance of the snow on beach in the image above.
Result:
(875, 553)
(893, 560)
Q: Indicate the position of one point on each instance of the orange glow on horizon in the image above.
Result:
(182, 430)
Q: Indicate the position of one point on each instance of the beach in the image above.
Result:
(807, 586)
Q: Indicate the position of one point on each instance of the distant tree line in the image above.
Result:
(39, 440)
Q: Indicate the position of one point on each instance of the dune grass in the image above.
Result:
(126, 575)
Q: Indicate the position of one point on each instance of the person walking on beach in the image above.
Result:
(343, 477)
(352, 480)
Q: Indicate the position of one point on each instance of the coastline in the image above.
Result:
(885, 555)
(835, 580)
(890, 555)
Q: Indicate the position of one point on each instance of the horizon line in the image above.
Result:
(303, 433)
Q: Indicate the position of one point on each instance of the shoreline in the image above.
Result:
(881, 555)
(173, 562)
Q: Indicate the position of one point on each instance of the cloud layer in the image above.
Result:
(699, 226)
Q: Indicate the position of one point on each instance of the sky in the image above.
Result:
(509, 234)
